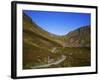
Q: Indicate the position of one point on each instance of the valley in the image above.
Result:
(42, 49)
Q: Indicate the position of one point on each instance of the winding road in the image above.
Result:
(63, 57)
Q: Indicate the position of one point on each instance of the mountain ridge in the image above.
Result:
(41, 47)
(64, 40)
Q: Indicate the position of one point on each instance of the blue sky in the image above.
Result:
(59, 23)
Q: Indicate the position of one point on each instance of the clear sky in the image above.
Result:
(59, 23)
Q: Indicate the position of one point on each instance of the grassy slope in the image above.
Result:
(78, 38)
(38, 43)
(33, 27)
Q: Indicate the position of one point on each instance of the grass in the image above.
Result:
(38, 45)
(74, 57)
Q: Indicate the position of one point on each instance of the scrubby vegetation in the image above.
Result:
(42, 48)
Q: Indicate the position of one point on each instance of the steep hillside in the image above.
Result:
(42, 49)
(37, 44)
(78, 38)
(32, 27)
(37, 36)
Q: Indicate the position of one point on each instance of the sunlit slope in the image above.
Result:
(41, 47)
(33, 32)
(37, 44)
(78, 38)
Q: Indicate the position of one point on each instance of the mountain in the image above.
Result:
(37, 43)
(78, 38)
(41, 47)
(37, 36)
